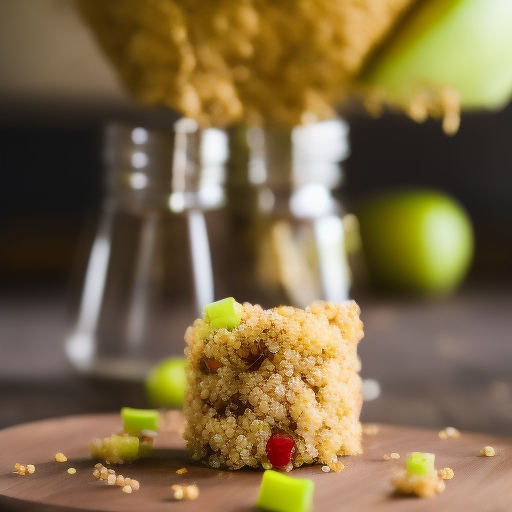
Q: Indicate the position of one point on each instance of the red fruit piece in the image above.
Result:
(209, 365)
(213, 364)
(280, 450)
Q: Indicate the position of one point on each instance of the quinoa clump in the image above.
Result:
(251, 60)
(282, 371)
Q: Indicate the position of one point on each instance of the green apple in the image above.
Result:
(463, 43)
(418, 241)
(165, 383)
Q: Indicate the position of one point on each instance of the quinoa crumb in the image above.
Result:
(71, 471)
(424, 486)
(24, 469)
(60, 457)
(445, 473)
(229, 73)
(102, 473)
(185, 492)
(181, 471)
(449, 433)
(191, 492)
(326, 469)
(178, 492)
(336, 466)
(390, 456)
(488, 451)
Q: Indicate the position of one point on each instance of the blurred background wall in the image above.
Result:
(56, 91)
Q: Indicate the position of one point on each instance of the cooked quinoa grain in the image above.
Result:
(178, 492)
(109, 475)
(488, 451)
(185, 492)
(445, 473)
(285, 378)
(191, 492)
(60, 457)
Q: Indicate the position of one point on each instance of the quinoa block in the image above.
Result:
(279, 390)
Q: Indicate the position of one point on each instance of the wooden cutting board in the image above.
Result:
(480, 483)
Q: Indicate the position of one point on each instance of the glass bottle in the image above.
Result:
(149, 272)
(286, 227)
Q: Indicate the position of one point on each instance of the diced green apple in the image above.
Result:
(282, 493)
(223, 313)
(419, 463)
(137, 420)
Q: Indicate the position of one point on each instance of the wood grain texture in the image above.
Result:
(480, 483)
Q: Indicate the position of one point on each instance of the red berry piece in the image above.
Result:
(213, 364)
(209, 365)
(280, 450)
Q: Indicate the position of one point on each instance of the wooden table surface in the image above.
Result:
(439, 363)
(479, 483)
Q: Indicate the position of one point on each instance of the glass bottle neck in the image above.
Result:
(165, 170)
(297, 169)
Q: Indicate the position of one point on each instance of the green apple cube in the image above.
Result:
(137, 420)
(282, 493)
(223, 314)
(419, 463)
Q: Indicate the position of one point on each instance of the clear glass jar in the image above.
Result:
(149, 272)
(287, 235)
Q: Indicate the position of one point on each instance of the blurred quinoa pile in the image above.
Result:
(283, 61)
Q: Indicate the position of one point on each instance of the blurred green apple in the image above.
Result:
(463, 43)
(165, 383)
(418, 241)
